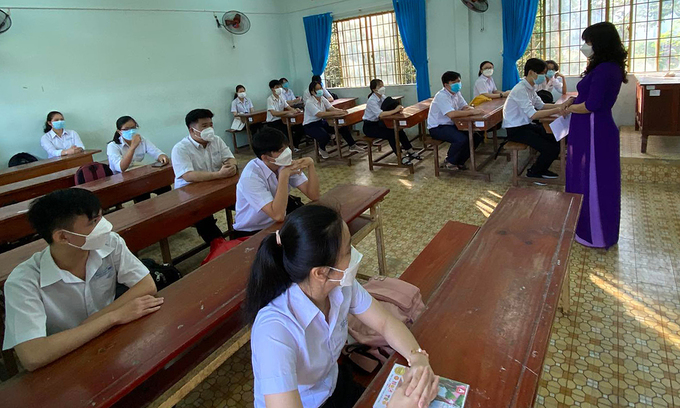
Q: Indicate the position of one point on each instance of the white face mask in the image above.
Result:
(206, 134)
(587, 50)
(95, 239)
(242, 95)
(279, 91)
(285, 158)
(381, 91)
(351, 272)
(487, 72)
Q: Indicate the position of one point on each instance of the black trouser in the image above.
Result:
(535, 136)
(459, 149)
(146, 196)
(321, 131)
(347, 392)
(296, 130)
(378, 130)
(208, 230)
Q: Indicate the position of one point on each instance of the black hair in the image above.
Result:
(237, 88)
(311, 237)
(59, 209)
(273, 83)
(316, 78)
(481, 65)
(311, 87)
(607, 47)
(548, 62)
(119, 124)
(268, 140)
(374, 85)
(534, 64)
(449, 76)
(196, 114)
(50, 115)
(282, 80)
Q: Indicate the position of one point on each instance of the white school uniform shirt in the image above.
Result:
(41, 299)
(255, 189)
(484, 85)
(238, 106)
(294, 347)
(116, 152)
(550, 84)
(53, 144)
(521, 105)
(443, 103)
(288, 94)
(188, 155)
(306, 95)
(314, 106)
(373, 108)
(275, 104)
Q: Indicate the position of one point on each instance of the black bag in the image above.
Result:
(21, 158)
(389, 104)
(546, 96)
(163, 275)
(293, 204)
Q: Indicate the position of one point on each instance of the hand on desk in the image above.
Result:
(163, 159)
(228, 170)
(73, 150)
(137, 308)
(420, 397)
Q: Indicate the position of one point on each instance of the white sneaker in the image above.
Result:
(356, 148)
(323, 154)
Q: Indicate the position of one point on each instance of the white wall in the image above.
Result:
(96, 65)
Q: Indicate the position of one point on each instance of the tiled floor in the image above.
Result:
(619, 346)
(658, 147)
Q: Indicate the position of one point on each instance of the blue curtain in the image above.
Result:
(518, 25)
(318, 30)
(410, 16)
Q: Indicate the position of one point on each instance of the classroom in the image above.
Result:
(340, 203)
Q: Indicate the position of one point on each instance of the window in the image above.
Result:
(649, 29)
(367, 47)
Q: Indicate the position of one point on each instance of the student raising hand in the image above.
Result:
(421, 396)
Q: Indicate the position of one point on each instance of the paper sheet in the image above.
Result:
(237, 124)
(560, 127)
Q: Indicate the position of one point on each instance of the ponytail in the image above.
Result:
(47, 127)
(311, 237)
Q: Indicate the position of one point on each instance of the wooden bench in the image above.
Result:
(411, 116)
(47, 166)
(35, 187)
(488, 324)
(198, 327)
(111, 191)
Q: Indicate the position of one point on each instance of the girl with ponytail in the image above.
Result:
(128, 146)
(301, 289)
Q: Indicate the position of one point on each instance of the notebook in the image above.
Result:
(452, 394)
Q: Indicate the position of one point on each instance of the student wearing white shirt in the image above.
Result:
(263, 188)
(316, 109)
(301, 290)
(307, 94)
(485, 85)
(288, 93)
(57, 141)
(522, 107)
(555, 82)
(63, 296)
(449, 104)
(240, 106)
(374, 127)
(277, 106)
(202, 156)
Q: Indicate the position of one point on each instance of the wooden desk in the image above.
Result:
(35, 187)
(354, 116)
(195, 308)
(42, 167)
(496, 312)
(250, 119)
(657, 107)
(111, 191)
(409, 117)
(344, 103)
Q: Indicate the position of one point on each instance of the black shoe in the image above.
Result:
(531, 174)
(414, 156)
(549, 175)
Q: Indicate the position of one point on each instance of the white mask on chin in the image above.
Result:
(350, 273)
(285, 158)
(206, 134)
(95, 239)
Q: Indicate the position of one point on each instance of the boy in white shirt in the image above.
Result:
(449, 104)
(522, 107)
(202, 156)
(63, 296)
(288, 93)
(277, 106)
(262, 191)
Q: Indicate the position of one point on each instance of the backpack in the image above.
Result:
(163, 275)
(400, 298)
(91, 172)
(546, 96)
(21, 158)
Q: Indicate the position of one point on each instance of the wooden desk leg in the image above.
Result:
(336, 129)
(377, 219)
(290, 131)
(565, 299)
(471, 138)
(643, 148)
(165, 251)
(250, 135)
